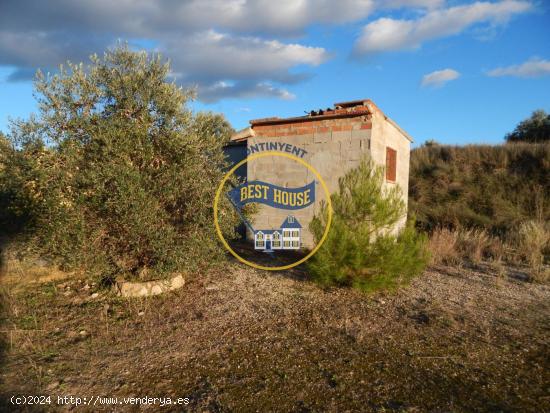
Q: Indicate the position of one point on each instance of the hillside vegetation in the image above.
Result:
(485, 203)
(490, 187)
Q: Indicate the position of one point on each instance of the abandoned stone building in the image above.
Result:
(333, 141)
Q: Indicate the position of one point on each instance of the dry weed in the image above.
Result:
(443, 247)
(472, 244)
(532, 242)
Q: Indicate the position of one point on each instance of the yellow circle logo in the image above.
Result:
(219, 193)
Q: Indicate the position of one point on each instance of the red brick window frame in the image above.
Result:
(391, 164)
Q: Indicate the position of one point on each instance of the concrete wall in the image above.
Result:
(386, 134)
(332, 147)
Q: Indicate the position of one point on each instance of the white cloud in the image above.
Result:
(293, 15)
(439, 77)
(213, 55)
(223, 65)
(242, 89)
(146, 17)
(428, 4)
(387, 34)
(220, 46)
(532, 68)
(226, 48)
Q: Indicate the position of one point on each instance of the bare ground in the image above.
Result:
(456, 340)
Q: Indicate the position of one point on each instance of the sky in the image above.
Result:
(456, 72)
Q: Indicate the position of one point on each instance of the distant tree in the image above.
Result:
(431, 142)
(121, 174)
(4, 150)
(534, 129)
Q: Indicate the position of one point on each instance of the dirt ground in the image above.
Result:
(456, 340)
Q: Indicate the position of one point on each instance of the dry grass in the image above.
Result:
(495, 249)
(443, 247)
(490, 187)
(528, 247)
(533, 242)
(473, 243)
(453, 246)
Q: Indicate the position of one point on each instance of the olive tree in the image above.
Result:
(121, 173)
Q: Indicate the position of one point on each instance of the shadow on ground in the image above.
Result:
(274, 259)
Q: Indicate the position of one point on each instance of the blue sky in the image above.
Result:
(456, 72)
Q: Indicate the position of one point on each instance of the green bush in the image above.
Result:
(534, 129)
(362, 249)
(14, 203)
(119, 174)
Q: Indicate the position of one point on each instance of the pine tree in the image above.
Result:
(362, 249)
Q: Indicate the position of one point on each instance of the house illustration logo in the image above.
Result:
(283, 209)
(287, 237)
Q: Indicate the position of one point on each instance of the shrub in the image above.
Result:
(120, 173)
(443, 247)
(473, 244)
(495, 250)
(528, 245)
(533, 241)
(483, 202)
(452, 246)
(14, 203)
(536, 128)
(362, 249)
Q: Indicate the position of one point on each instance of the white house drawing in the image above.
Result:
(287, 237)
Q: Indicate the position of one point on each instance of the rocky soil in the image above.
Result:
(457, 339)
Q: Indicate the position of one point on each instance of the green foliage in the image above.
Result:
(120, 174)
(535, 129)
(431, 142)
(362, 249)
(491, 187)
(14, 203)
